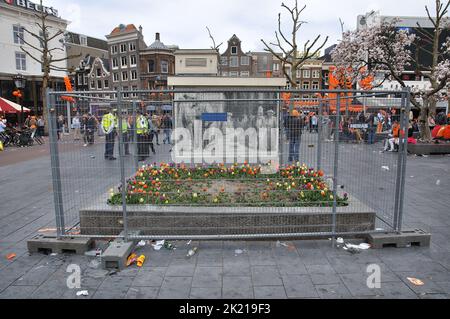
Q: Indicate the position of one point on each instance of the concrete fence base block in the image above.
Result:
(49, 244)
(116, 255)
(404, 239)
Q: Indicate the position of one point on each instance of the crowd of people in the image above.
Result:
(360, 127)
(147, 128)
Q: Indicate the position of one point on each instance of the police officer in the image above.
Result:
(125, 132)
(142, 132)
(109, 122)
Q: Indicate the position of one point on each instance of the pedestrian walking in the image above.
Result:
(167, 126)
(60, 126)
(295, 126)
(109, 122)
(76, 126)
(41, 127)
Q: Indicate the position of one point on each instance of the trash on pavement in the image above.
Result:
(131, 259)
(238, 251)
(386, 168)
(279, 244)
(340, 240)
(11, 256)
(93, 253)
(54, 254)
(438, 182)
(82, 293)
(169, 246)
(192, 252)
(140, 261)
(189, 242)
(94, 264)
(352, 250)
(158, 245)
(142, 243)
(415, 281)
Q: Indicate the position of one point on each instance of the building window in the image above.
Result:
(305, 85)
(164, 67)
(134, 88)
(234, 62)
(125, 89)
(134, 75)
(99, 84)
(306, 74)
(234, 50)
(115, 63)
(106, 84)
(92, 84)
(276, 67)
(132, 47)
(315, 85)
(223, 60)
(18, 34)
(234, 74)
(123, 48)
(133, 60)
(245, 74)
(80, 79)
(151, 66)
(115, 77)
(123, 61)
(99, 72)
(316, 74)
(85, 79)
(83, 40)
(245, 60)
(124, 76)
(114, 49)
(21, 61)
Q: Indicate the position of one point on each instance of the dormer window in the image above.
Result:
(234, 50)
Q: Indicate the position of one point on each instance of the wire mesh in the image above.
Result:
(228, 163)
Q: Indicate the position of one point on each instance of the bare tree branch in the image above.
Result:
(215, 47)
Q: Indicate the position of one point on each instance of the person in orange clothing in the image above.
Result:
(446, 134)
(393, 138)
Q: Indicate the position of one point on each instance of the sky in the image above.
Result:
(183, 22)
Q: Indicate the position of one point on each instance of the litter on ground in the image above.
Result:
(140, 261)
(11, 256)
(386, 168)
(83, 293)
(131, 259)
(158, 245)
(192, 252)
(415, 281)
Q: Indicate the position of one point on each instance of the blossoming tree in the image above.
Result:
(387, 51)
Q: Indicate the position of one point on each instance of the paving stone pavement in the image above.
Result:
(312, 270)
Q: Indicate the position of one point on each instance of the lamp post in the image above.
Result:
(20, 82)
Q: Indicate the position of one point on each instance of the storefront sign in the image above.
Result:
(32, 6)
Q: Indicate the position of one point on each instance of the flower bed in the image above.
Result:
(238, 185)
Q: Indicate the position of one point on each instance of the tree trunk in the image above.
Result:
(44, 103)
(425, 132)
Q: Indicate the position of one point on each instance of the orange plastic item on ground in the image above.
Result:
(140, 261)
(11, 256)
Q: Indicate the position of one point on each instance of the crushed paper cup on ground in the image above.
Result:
(159, 245)
(11, 256)
(415, 281)
(82, 293)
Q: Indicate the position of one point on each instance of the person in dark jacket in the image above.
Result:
(294, 128)
(167, 126)
(88, 125)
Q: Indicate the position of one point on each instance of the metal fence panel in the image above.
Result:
(233, 164)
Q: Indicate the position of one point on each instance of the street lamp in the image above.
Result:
(20, 82)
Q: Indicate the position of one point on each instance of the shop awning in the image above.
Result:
(6, 106)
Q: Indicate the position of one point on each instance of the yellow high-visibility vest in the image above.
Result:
(124, 124)
(108, 120)
(141, 125)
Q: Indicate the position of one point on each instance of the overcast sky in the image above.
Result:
(183, 22)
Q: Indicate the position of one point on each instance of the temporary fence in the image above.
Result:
(228, 163)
